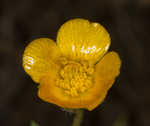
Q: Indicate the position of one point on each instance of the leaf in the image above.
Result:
(33, 123)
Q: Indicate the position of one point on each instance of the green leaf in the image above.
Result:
(33, 123)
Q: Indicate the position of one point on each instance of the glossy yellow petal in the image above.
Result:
(39, 57)
(100, 92)
(105, 73)
(109, 67)
(49, 92)
(79, 39)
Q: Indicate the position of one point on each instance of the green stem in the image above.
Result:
(78, 117)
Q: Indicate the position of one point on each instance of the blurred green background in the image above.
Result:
(127, 21)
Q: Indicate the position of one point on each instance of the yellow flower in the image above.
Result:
(75, 72)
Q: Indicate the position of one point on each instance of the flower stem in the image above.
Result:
(78, 117)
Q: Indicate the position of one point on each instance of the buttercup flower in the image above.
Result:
(75, 72)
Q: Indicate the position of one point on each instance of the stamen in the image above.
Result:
(75, 78)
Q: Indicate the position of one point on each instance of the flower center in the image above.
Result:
(75, 78)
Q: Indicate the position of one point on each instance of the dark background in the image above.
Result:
(127, 21)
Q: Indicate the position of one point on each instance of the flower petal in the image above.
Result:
(49, 92)
(106, 71)
(109, 66)
(79, 39)
(39, 58)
